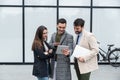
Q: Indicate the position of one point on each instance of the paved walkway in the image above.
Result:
(24, 72)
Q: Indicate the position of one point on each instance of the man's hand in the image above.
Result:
(56, 43)
(81, 59)
(66, 52)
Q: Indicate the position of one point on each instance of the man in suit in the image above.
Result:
(62, 60)
(85, 64)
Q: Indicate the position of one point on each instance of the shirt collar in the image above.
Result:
(80, 34)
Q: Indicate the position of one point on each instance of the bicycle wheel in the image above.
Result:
(114, 57)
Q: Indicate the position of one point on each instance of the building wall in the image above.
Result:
(19, 20)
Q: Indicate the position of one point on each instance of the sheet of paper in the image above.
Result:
(60, 48)
(80, 51)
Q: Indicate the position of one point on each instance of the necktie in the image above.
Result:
(76, 44)
(75, 59)
(76, 64)
(77, 39)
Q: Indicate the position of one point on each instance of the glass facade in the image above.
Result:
(74, 2)
(106, 3)
(40, 2)
(10, 2)
(106, 22)
(19, 20)
(34, 17)
(10, 34)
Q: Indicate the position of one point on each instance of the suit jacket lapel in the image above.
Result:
(84, 40)
(82, 37)
(62, 38)
(54, 36)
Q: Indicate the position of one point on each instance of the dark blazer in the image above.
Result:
(40, 67)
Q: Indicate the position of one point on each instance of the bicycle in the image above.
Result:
(111, 55)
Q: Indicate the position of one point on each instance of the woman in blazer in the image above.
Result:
(42, 53)
(85, 64)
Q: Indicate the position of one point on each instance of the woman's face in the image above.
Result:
(45, 32)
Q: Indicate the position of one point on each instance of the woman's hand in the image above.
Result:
(50, 51)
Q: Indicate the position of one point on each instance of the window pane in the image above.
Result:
(106, 26)
(10, 2)
(34, 18)
(70, 16)
(74, 2)
(106, 2)
(10, 35)
(40, 2)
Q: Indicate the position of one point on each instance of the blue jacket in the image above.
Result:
(40, 67)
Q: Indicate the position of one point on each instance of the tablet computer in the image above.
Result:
(60, 48)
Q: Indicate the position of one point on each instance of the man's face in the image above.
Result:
(61, 28)
(78, 29)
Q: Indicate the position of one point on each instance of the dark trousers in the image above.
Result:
(85, 76)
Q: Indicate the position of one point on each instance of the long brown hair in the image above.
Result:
(37, 42)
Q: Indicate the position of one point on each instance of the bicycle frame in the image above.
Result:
(111, 55)
(104, 56)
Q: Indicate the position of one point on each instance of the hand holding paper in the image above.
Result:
(80, 51)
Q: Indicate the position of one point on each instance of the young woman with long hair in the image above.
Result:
(42, 53)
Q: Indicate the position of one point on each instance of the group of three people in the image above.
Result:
(57, 66)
